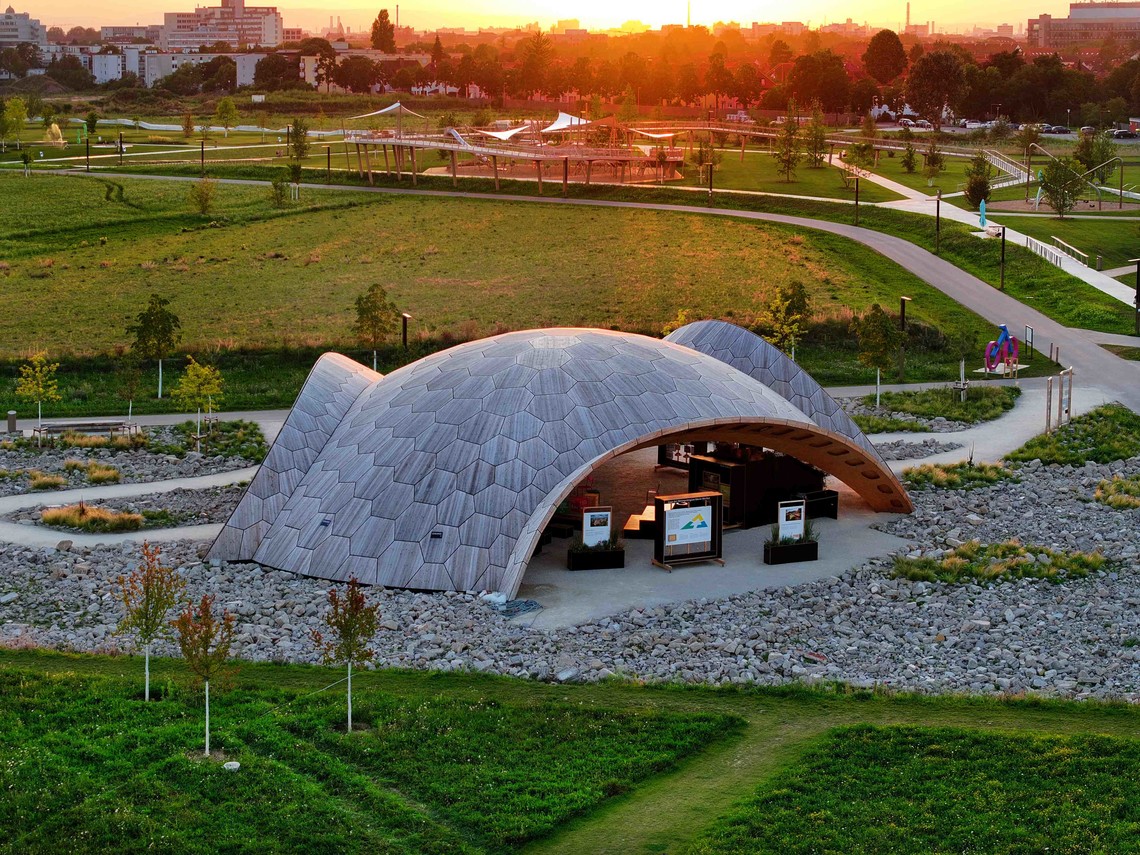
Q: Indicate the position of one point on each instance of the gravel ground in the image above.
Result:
(1079, 638)
(188, 507)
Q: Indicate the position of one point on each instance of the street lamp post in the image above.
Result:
(938, 222)
(902, 312)
(404, 318)
(1136, 261)
(1001, 281)
(1068, 116)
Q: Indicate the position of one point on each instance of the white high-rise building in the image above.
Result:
(19, 27)
(232, 22)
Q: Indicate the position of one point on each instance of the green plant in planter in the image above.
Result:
(810, 535)
(614, 543)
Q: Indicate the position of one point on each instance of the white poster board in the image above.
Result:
(790, 517)
(688, 525)
(596, 525)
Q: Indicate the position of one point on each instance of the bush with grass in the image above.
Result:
(982, 404)
(1108, 433)
(101, 473)
(42, 481)
(997, 562)
(956, 476)
(1120, 493)
(94, 519)
(886, 424)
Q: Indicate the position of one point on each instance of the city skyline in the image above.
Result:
(592, 14)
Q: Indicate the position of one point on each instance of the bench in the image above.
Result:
(111, 426)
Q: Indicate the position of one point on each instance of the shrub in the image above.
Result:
(983, 404)
(40, 481)
(997, 562)
(100, 473)
(84, 517)
(956, 476)
(202, 193)
(1108, 433)
(1119, 493)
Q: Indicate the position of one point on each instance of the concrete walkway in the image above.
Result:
(921, 203)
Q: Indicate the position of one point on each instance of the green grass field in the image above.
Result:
(94, 248)
(602, 768)
(922, 790)
(757, 173)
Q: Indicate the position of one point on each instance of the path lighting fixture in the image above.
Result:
(1136, 261)
(856, 200)
(404, 318)
(1001, 282)
(902, 312)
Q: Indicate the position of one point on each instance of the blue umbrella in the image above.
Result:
(982, 210)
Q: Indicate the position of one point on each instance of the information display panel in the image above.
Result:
(688, 528)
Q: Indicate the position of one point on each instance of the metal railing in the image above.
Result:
(1071, 251)
(1049, 253)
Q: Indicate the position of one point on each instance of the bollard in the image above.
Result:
(1099, 262)
(11, 421)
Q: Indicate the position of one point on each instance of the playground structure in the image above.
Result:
(1002, 352)
(570, 148)
(567, 146)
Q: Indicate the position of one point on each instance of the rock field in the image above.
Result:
(1080, 638)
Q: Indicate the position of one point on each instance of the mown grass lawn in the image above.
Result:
(758, 173)
(306, 787)
(940, 790)
(252, 281)
(91, 768)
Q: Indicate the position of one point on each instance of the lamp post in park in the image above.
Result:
(902, 312)
(1136, 261)
(856, 200)
(1001, 282)
(404, 318)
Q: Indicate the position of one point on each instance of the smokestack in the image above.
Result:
(907, 17)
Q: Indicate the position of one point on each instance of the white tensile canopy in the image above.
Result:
(668, 136)
(504, 135)
(565, 122)
(397, 108)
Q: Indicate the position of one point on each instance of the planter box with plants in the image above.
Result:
(605, 556)
(790, 551)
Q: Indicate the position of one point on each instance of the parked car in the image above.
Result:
(1056, 129)
(923, 123)
(906, 123)
(1124, 135)
(1088, 130)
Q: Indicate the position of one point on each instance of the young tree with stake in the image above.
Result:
(375, 318)
(205, 644)
(352, 624)
(148, 595)
(37, 383)
(879, 341)
(156, 330)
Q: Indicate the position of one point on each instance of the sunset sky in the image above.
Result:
(594, 14)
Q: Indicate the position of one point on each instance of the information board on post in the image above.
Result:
(597, 523)
(790, 520)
